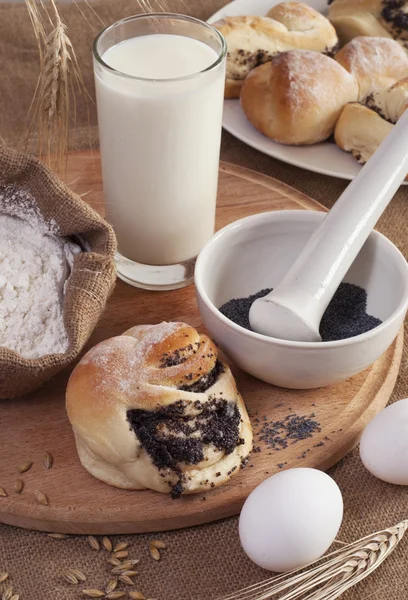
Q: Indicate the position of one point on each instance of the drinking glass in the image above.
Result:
(160, 142)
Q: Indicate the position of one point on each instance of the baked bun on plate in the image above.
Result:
(156, 408)
(297, 97)
(376, 63)
(362, 127)
(378, 18)
(253, 41)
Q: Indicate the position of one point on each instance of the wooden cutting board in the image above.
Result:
(78, 503)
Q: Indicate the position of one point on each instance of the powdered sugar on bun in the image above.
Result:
(376, 63)
(297, 97)
(306, 74)
(254, 40)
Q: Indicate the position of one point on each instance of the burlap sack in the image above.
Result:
(91, 280)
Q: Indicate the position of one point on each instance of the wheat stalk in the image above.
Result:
(53, 107)
(50, 110)
(329, 577)
(37, 23)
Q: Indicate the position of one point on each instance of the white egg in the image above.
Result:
(384, 444)
(291, 519)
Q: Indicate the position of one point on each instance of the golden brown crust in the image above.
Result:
(291, 99)
(361, 128)
(252, 41)
(374, 18)
(354, 18)
(167, 371)
(376, 63)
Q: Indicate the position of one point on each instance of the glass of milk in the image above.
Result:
(159, 88)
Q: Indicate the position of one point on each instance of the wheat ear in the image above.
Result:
(59, 72)
(329, 577)
(52, 109)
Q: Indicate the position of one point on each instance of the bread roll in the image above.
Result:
(376, 63)
(375, 18)
(360, 131)
(297, 97)
(156, 408)
(390, 103)
(354, 18)
(361, 128)
(253, 41)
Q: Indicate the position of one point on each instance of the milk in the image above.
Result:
(160, 144)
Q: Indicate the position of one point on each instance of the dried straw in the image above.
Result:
(329, 577)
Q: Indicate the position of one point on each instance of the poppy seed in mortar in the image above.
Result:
(345, 317)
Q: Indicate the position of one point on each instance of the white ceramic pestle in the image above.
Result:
(293, 310)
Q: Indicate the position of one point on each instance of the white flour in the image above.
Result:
(34, 267)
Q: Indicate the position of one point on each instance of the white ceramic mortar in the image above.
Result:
(255, 253)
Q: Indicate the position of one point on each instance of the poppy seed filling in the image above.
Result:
(170, 437)
(205, 382)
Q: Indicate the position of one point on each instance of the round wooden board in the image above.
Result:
(32, 425)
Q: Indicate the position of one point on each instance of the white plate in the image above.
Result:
(325, 157)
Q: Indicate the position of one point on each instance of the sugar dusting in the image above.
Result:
(368, 55)
(120, 359)
(308, 85)
(373, 59)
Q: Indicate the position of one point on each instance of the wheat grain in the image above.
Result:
(48, 460)
(93, 593)
(114, 561)
(7, 594)
(107, 544)
(3, 493)
(3, 577)
(111, 586)
(93, 542)
(136, 595)
(58, 536)
(70, 577)
(126, 565)
(78, 574)
(121, 554)
(19, 486)
(121, 569)
(329, 577)
(126, 579)
(15, 597)
(41, 498)
(121, 546)
(129, 573)
(154, 553)
(159, 544)
(115, 595)
(23, 468)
